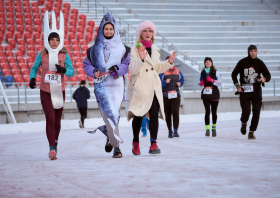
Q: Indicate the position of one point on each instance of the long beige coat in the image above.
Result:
(144, 82)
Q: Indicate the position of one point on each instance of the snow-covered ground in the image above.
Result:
(192, 165)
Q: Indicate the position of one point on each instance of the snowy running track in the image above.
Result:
(193, 165)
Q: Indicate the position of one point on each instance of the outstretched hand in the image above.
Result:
(142, 53)
(172, 57)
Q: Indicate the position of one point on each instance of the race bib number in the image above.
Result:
(172, 94)
(100, 78)
(52, 77)
(248, 88)
(207, 91)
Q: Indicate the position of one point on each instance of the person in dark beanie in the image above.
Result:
(171, 81)
(81, 95)
(250, 69)
(210, 94)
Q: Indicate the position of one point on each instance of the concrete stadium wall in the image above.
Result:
(192, 104)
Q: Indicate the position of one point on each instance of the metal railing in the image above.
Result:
(165, 42)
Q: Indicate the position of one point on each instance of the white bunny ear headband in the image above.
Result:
(47, 31)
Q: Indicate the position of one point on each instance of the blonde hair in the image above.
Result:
(45, 51)
(140, 38)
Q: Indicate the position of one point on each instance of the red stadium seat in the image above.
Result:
(67, 5)
(15, 72)
(22, 49)
(73, 23)
(8, 48)
(19, 21)
(84, 48)
(81, 29)
(77, 59)
(9, 54)
(89, 29)
(57, 5)
(26, 79)
(82, 77)
(37, 22)
(83, 42)
(1, 49)
(13, 66)
(28, 22)
(80, 36)
(3, 60)
(36, 35)
(79, 65)
(17, 3)
(91, 23)
(74, 79)
(41, 42)
(43, 10)
(11, 28)
(51, 1)
(41, 2)
(36, 16)
(21, 60)
(10, 21)
(10, 15)
(65, 30)
(27, 9)
(12, 42)
(18, 35)
(18, 9)
(72, 29)
(27, 16)
(2, 10)
(25, 72)
(74, 11)
(71, 36)
(4, 66)
(65, 11)
(2, 29)
(9, 35)
(83, 17)
(22, 66)
(18, 54)
(9, 8)
(18, 79)
(81, 71)
(74, 42)
(38, 29)
(77, 53)
(27, 35)
(90, 80)
(19, 16)
(39, 48)
(29, 29)
(75, 47)
(49, 6)
(66, 80)
(38, 80)
(81, 23)
(30, 65)
(57, 12)
(8, 72)
(25, 4)
(73, 17)
(66, 42)
(30, 42)
(20, 29)
(88, 37)
(21, 42)
(67, 47)
(31, 48)
(11, 60)
(34, 4)
(32, 54)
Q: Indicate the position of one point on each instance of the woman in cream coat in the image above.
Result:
(144, 88)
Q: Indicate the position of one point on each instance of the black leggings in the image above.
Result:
(137, 122)
(214, 106)
(171, 108)
(83, 112)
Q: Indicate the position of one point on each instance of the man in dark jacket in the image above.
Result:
(250, 70)
(81, 95)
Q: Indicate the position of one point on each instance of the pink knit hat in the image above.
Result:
(146, 24)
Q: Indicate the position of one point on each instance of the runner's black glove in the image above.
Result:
(32, 83)
(60, 69)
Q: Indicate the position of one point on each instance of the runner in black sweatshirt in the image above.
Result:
(250, 70)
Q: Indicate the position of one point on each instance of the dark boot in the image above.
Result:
(170, 134)
(243, 128)
(176, 134)
(108, 146)
(117, 153)
(251, 135)
(214, 132)
(207, 132)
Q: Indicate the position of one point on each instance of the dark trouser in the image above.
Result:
(171, 107)
(245, 102)
(53, 117)
(83, 112)
(214, 106)
(137, 122)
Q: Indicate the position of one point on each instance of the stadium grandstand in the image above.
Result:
(194, 28)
